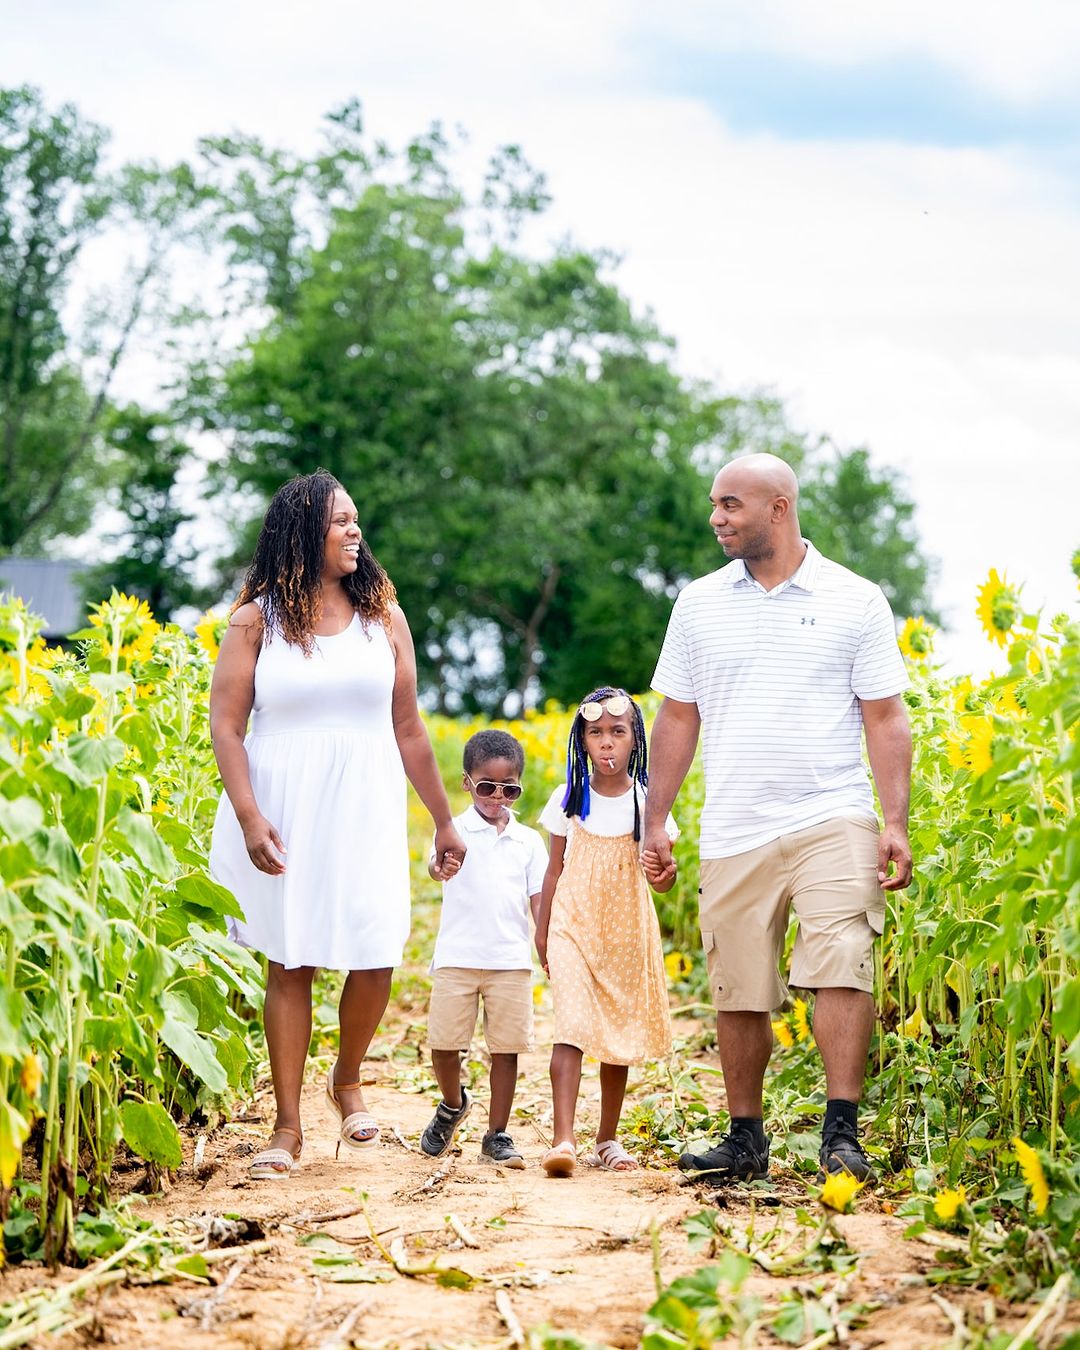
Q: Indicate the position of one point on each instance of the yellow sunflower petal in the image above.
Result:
(947, 1203)
(1031, 1169)
(783, 1034)
(998, 608)
(916, 640)
(838, 1191)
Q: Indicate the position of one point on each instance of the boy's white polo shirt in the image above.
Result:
(485, 908)
(777, 677)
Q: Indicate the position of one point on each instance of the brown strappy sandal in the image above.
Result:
(358, 1120)
(277, 1164)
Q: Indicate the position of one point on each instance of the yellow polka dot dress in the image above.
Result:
(604, 954)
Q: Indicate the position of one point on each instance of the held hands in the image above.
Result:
(449, 853)
(451, 864)
(656, 872)
(656, 859)
(893, 847)
(264, 846)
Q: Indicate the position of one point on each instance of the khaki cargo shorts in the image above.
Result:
(828, 874)
(456, 992)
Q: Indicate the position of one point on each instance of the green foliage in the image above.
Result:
(151, 1132)
(119, 986)
(696, 1311)
(55, 197)
(529, 466)
(150, 561)
(50, 205)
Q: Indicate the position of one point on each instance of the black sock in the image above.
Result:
(754, 1125)
(838, 1110)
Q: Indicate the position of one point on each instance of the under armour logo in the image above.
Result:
(805, 620)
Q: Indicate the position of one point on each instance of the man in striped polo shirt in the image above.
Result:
(781, 660)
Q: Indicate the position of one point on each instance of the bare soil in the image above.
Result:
(573, 1254)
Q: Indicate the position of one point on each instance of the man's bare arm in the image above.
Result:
(888, 746)
(671, 752)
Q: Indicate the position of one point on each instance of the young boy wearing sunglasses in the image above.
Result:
(483, 950)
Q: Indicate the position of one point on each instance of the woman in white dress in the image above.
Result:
(310, 834)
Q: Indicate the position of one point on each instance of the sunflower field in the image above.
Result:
(125, 1011)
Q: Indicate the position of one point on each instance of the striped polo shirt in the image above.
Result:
(777, 677)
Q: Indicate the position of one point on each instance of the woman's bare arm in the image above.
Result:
(232, 694)
(414, 745)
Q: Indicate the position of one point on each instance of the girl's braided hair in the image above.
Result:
(575, 801)
(287, 566)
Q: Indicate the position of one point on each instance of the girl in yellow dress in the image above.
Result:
(597, 933)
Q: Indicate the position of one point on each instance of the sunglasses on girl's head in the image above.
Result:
(486, 788)
(616, 705)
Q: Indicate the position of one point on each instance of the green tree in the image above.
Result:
(54, 385)
(528, 463)
(150, 562)
(49, 208)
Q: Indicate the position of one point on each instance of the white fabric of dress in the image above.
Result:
(327, 774)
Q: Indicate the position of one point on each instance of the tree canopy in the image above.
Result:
(530, 464)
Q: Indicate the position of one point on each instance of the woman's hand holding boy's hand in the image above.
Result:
(541, 952)
(449, 852)
(451, 864)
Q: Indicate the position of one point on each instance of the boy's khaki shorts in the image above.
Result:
(508, 1009)
(828, 874)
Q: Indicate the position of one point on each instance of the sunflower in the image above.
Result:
(973, 747)
(963, 695)
(1031, 1169)
(678, 965)
(916, 640)
(979, 749)
(948, 1203)
(128, 620)
(839, 1190)
(1006, 702)
(783, 1034)
(801, 1020)
(209, 631)
(998, 608)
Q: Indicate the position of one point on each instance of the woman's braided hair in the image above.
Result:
(287, 566)
(575, 801)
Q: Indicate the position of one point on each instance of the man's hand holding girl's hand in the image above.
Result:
(657, 872)
(657, 861)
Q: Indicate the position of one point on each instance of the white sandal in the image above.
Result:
(277, 1164)
(612, 1157)
(561, 1160)
(358, 1120)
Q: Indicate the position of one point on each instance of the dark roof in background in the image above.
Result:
(50, 589)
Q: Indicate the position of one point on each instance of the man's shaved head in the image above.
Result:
(767, 474)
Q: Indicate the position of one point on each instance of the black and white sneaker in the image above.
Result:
(443, 1125)
(842, 1152)
(499, 1148)
(739, 1156)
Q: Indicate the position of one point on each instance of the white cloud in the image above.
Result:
(917, 299)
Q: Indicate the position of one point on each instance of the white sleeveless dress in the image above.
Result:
(327, 773)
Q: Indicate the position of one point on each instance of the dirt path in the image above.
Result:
(574, 1254)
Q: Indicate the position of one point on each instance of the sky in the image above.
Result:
(871, 211)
